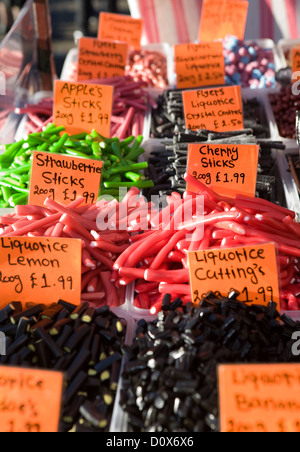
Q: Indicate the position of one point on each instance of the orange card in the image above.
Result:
(221, 18)
(119, 27)
(83, 107)
(227, 169)
(33, 400)
(40, 270)
(216, 109)
(101, 59)
(63, 178)
(251, 270)
(296, 59)
(199, 65)
(259, 398)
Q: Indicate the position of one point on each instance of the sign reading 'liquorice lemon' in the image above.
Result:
(35, 268)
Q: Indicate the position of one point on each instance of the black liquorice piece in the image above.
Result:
(22, 327)
(52, 312)
(31, 312)
(6, 312)
(79, 311)
(66, 333)
(52, 346)
(82, 358)
(56, 329)
(74, 387)
(77, 338)
(42, 353)
(68, 306)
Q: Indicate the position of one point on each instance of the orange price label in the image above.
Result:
(227, 169)
(296, 60)
(34, 270)
(101, 59)
(216, 109)
(223, 17)
(83, 107)
(119, 27)
(30, 400)
(251, 270)
(199, 65)
(63, 179)
(259, 398)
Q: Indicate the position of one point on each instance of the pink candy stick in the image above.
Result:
(87, 260)
(110, 290)
(68, 220)
(123, 129)
(34, 225)
(92, 296)
(72, 234)
(49, 232)
(66, 211)
(92, 286)
(58, 229)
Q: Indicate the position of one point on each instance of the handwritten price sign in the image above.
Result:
(260, 398)
(223, 17)
(251, 270)
(217, 109)
(30, 400)
(199, 65)
(122, 28)
(227, 169)
(101, 59)
(63, 179)
(32, 269)
(82, 107)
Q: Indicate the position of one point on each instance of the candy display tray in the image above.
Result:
(163, 48)
(265, 44)
(283, 46)
(289, 142)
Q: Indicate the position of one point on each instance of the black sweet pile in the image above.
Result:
(169, 116)
(170, 377)
(167, 165)
(83, 342)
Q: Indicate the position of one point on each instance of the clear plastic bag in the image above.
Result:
(26, 64)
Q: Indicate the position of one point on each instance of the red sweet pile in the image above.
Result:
(148, 247)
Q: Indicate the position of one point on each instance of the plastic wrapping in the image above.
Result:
(26, 64)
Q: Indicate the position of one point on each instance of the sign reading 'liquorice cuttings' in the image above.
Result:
(250, 270)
